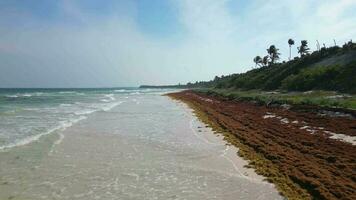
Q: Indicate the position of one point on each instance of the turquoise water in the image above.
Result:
(122, 143)
(28, 114)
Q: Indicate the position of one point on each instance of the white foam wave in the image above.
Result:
(121, 90)
(111, 106)
(65, 105)
(135, 93)
(11, 96)
(84, 112)
(62, 126)
(38, 93)
(57, 142)
(71, 92)
(32, 109)
(107, 106)
(57, 116)
(67, 92)
(24, 95)
(110, 96)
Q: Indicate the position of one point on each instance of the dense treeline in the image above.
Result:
(163, 86)
(332, 68)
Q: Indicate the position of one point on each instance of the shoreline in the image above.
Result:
(302, 162)
(164, 152)
(205, 133)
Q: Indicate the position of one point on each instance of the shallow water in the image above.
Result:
(27, 114)
(148, 147)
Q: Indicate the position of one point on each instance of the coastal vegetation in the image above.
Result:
(315, 98)
(325, 77)
(330, 69)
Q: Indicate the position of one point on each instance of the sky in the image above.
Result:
(113, 43)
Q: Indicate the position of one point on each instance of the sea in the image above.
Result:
(28, 114)
(116, 143)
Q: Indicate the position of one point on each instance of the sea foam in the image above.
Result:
(62, 126)
(34, 119)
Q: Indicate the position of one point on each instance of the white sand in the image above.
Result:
(149, 147)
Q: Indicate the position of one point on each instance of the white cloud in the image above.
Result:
(207, 19)
(114, 51)
(274, 22)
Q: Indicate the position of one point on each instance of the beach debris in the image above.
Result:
(285, 121)
(304, 127)
(269, 115)
(342, 137)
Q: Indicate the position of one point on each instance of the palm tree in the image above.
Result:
(257, 60)
(303, 49)
(290, 42)
(273, 53)
(265, 60)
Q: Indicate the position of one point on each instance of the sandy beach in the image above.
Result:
(148, 147)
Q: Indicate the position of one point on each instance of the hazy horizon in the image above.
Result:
(96, 44)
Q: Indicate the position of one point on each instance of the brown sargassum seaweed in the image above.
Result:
(302, 164)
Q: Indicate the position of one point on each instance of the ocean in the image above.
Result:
(28, 114)
(116, 143)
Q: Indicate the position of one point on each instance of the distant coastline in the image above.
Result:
(328, 69)
(163, 86)
(325, 77)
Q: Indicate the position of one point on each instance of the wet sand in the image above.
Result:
(307, 155)
(149, 147)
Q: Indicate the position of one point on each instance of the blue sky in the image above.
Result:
(94, 43)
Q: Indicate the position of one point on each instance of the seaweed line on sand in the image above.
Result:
(262, 165)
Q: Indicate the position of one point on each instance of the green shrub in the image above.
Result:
(337, 78)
